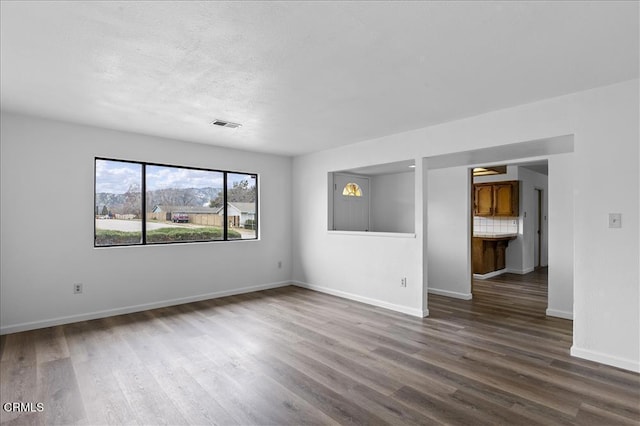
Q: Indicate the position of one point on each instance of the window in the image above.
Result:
(352, 190)
(241, 205)
(118, 200)
(181, 204)
(178, 204)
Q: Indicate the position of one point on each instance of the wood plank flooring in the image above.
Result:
(291, 356)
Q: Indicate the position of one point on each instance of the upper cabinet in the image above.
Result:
(496, 199)
(483, 200)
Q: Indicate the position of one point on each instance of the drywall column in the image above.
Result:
(560, 225)
(422, 228)
(448, 231)
(607, 284)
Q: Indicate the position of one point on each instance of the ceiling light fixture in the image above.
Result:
(223, 123)
(486, 171)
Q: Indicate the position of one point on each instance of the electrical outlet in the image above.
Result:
(403, 282)
(615, 220)
(280, 264)
(77, 288)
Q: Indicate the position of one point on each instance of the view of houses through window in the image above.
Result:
(181, 204)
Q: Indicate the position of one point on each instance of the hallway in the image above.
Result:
(514, 293)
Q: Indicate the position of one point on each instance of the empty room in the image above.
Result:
(285, 213)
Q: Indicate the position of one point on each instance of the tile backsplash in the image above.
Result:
(495, 225)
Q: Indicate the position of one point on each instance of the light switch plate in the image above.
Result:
(615, 220)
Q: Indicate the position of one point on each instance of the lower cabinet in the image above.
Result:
(501, 248)
(489, 254)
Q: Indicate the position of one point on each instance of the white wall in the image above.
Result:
(560, 234)
(606, 278)
(348, 264)
(393, 202)
(448, 230)
(529, 181)
(605, 124)
(47, 228)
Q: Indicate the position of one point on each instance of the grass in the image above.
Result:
(107, 237)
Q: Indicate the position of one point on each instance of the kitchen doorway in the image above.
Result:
(508, 220)
(449, 214)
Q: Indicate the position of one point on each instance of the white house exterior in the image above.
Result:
(239, 213)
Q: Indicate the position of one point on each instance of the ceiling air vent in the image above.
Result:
(223, 123)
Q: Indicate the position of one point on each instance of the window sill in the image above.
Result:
(374, 234)
(174, 243)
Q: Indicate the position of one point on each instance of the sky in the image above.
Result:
(117, 176)
(161, 177)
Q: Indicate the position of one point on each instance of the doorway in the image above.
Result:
(448, 231)
(518, 237)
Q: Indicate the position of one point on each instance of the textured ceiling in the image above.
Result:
(307, 76)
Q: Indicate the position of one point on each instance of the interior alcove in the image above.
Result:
(376, 198)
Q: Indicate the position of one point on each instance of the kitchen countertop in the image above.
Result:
(496, 236)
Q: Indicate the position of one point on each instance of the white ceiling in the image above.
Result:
(307, 76)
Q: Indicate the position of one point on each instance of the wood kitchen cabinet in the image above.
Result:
(500, 199)
(501, 254)
(483, 200)
(489, 253)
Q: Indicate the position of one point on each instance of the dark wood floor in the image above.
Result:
(293, 356)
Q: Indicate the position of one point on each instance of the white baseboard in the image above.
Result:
(15, 328)
(369, 301)
(626, 364)
(490, 274)
(503, 271)
(447, 293)
(560, 314)
(519, 271)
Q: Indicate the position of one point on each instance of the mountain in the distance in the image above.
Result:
(123, 203)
